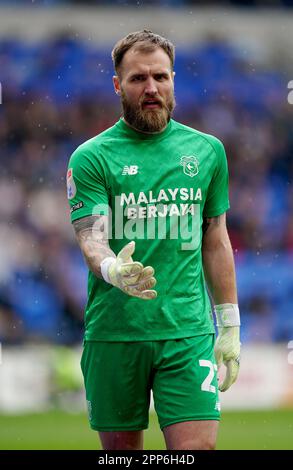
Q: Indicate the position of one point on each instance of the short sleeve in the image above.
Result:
(86, 185)
(217, 201)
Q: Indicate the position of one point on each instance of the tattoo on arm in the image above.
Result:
(92, 235)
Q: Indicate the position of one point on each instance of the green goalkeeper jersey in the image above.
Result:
(156, 189)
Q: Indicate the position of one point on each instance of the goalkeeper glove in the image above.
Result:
(130, 276)
(227, 347)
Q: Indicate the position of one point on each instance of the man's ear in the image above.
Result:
(116, 83)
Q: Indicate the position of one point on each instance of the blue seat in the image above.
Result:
(37, 304)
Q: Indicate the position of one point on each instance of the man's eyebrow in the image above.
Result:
(143, 74)
(138, 74)
(165, 74)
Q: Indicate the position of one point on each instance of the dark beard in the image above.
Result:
(147, 120)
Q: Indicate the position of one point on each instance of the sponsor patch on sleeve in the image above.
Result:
(76, 206)
(71, 187)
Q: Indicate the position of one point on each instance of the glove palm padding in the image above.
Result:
(131, 276)
(227, 351)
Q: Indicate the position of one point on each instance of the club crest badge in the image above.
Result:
(190, 165)
(71, 187)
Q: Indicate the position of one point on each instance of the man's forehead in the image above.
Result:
(143, 61)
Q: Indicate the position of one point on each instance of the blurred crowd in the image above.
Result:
(56, 95)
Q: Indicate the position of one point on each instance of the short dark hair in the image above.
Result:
(146, 41)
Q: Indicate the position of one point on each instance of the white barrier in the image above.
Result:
(35, 378)
(265, 379)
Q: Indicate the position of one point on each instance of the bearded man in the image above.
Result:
(149, 195)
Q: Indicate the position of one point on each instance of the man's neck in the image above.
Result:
(144, 132)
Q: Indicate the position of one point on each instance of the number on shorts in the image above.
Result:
(207, 386)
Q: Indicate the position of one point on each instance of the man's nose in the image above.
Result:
(151, 87)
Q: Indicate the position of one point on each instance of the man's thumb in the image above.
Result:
(126, 252)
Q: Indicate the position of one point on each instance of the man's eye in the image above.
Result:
(137, 79)
(160, 77)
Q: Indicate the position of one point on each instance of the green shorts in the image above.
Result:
(119, 377)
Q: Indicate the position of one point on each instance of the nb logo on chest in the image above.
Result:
(130, 170)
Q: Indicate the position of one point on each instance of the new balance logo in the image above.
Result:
(130, 170)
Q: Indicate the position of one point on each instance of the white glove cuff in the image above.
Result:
(227, 315)
(105, 264)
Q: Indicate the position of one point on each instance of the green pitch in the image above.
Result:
(59, 430)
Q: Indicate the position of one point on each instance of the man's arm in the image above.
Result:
(130, 276)
(218, 260)
(219, 268)
(92, 236)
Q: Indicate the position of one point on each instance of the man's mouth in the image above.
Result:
(151, 103)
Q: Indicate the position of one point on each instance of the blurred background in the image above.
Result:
(233, 71)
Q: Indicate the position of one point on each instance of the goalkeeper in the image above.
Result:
(148, 319)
